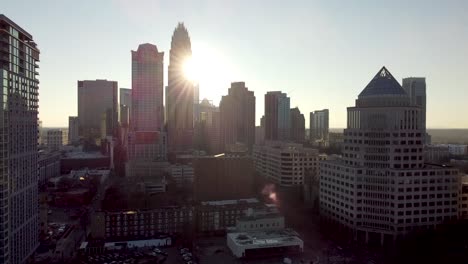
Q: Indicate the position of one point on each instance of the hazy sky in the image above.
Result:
(322, 53)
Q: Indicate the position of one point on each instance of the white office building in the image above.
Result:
(261, 232)
(287, 164)
(382, 188)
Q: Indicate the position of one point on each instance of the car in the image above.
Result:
(187, 258)
(187, 254)
(164, 253)
(157, 250)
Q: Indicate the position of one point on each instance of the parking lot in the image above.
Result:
(162, 255)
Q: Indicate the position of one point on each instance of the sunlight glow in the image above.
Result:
(191, 70)
(211, 69)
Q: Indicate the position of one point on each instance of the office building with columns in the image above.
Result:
(382, 188)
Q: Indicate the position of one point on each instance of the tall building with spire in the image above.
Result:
(382, 188)
(179, 93)
(19, 219)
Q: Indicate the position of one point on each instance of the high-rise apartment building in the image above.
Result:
(297, 133)
(73, 129)
(96, 99)
(54, 139)
(319, 125)
(277, 116)
(415, 87)
(237, 115)
(147, 89)
(179, 93)
(19, 219)
(125, 106)
(382, 188)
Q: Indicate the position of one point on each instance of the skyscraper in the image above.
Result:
(125, 106)
(382, 188)
(277, 116)
(415, 87)
(19, 220)
(179, 93)
(237, 115)
(147, 89)
(96, 99)
(297, 125)
(319, 125)
(73, 129)
(147, 143)
(207, 135)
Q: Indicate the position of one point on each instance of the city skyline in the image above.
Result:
(322, 60)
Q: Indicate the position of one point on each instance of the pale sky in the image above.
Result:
(322, 53)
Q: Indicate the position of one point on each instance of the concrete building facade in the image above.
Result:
(49, 166)
(286, 164)
(19, 218)
(237, 116)
(54, 139)
(382, 188)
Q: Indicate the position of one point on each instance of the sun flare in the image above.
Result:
(191, 70)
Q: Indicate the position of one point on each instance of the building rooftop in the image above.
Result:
(383, 83)
(9, 21)
(231, 202)
(265, 238)
(83, 155)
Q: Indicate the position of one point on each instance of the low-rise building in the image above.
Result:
(223, 177)
(262, 243)
(49, 166)
(262, 219)
(77, 159)
(456, 149)
(182, 174)
(141, 223)
(463, 209)
(217, 216)
(436, 153)
(286, 163)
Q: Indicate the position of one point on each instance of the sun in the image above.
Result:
(191, 71)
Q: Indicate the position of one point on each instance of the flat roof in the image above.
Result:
(83, 155)
(20, 29)
(229, 202)
(265, 238)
